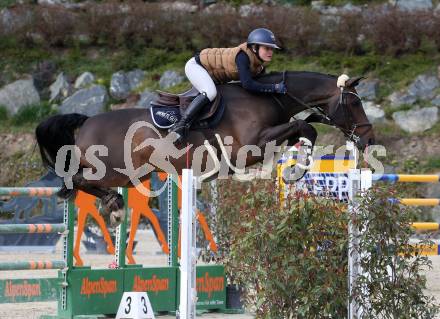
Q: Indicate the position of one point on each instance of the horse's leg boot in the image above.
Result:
(66, 193)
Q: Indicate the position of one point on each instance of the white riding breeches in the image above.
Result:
(200, 79)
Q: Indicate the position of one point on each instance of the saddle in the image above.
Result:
(171, 99)
(166, 110)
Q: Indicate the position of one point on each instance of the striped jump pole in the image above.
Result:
(29, 191)
(68, 238)
(32, 265)
(404, 178)
(416, 201)
(32, 228)
(425, 226)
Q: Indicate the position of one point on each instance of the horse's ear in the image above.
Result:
(353, 82)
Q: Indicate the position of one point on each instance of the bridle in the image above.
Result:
(322, 117)
(349, 117)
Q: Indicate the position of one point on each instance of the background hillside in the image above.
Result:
(55, 55)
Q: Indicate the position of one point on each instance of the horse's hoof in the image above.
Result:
(306, 166)
(117, 217)
(305, 158)
(292, 174)
(112, 202)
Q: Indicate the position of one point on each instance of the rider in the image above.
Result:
(221, 65)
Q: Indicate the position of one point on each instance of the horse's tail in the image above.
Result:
(55, 132)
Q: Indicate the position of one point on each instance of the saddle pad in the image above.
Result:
(165, 117)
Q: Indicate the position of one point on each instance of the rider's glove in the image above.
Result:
(280, 88)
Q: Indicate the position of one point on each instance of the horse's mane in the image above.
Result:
(277, 76)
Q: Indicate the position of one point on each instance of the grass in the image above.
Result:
(308, 2)
(435, 130)
(395, 73)
(388, 130)
(355, 2)
(22, 167)
(390, 110)
(32, 114)
(16, 60)
(26, 119)
(154, 61)
(323, 129)
(106, 62)
(391, 129)
(3, 114)
(432, 164)
(6, 3)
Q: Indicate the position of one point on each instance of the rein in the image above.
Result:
(328, 119)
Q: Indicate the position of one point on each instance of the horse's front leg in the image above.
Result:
(112, 201)
(294, 132)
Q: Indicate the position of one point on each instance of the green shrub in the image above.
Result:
(298, 28)
(292, 261)
(392, 285)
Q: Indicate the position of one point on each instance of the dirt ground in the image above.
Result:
(148, 253)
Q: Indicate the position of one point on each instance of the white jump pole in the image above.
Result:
(359, 181)
(188, 259)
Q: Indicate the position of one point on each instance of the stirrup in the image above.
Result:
(181, 132)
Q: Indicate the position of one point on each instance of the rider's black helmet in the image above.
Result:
(262, 36)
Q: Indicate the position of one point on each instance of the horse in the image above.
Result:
(249, 119)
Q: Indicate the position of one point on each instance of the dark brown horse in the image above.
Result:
(249, 119)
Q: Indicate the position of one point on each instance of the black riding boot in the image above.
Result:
(183, 125)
